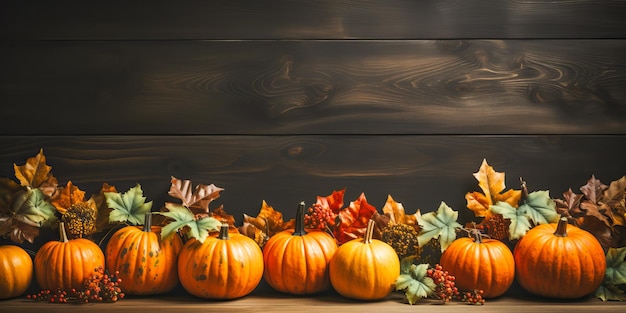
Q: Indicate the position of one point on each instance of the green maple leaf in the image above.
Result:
(614, 276)
(441, 225)
(128, 207)
(182, 217)
(606, 293)
(414, 281)
(540, 208)
(30, 206)
(519, 221)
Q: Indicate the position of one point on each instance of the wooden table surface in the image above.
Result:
(266, 300)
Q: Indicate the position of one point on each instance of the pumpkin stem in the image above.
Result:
(561, 227)
(369, 232)
(62, 233)
(478, 237)
(147, 222)
(224, 232)
(299, 230)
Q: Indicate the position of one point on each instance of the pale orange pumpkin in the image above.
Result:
(559, 261)
(364, 268)
(146, 263)
(481, 264)
(296, 260)
(66, 264)
(16, 271)
(228, 266)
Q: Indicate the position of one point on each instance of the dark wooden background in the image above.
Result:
(283, 101)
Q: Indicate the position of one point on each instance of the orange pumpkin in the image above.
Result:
(364, 268)
(559, 261)
(16, 271)
(146, 264)
(66, 264)
(296, 261)
(481, 264)
(228, 266)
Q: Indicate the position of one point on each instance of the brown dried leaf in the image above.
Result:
(268, 220)
(198, 199)
(8, 188)
(18, 230)
(593, 189)
(615, 199)
(69, 195)
(102, 219)
(36, 173)
(569, 206)
(259, 236)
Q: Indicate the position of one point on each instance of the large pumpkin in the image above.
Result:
(228, 266)
(296, 261)
(66, 264)
(147, 265)
(481, 264)
(364, 268)
(16, 271)
(559, 261)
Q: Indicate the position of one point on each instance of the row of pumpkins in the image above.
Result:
(551, 260)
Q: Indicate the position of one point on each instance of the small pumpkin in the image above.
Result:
(66, 264)
(296, 260)
(228, 266)
(147, 264)
(16, 271)
(559, 261)
(481, 264)
(364, 268)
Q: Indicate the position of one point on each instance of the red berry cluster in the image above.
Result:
(100, 287)
(318, 217)
(445, 288)
(473, 297)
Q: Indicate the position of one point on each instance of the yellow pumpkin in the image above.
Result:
(228, 266)
(364, 268)
(147, 265)
(16, 271)
(66, 264)
(481, 264)
(296, 261)
(559, 261)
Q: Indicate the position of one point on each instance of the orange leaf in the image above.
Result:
(102, 219)
(68, 196)
(492, 184)
(353, 220)
(268, 220)
(398, 215)
(36, 173)
(334, 201)
(221, 215)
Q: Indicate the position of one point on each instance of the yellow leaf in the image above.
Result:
(68, 196)
(492, 184)
(397, 213)
(35, 172)
(268, 220)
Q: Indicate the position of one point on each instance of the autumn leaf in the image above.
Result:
(8, 189)
(224, 218)
(102, 219)
(259, 236)
(27, 212)
(268, 220)
(492, 184)
(569, 206)
(35, 173)
(196, 199)
(68, 196)
(414, 281)
(614, 276)
(615, 198)
(441, 224)
(539, 208)
(334, 201)
(128, 207)
(592, 204)
(183, 218)
(353, 220)
(398, 215)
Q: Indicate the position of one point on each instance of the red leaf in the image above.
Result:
(353, 220)
(334, 201)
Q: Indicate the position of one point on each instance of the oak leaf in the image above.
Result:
(492, 184)
(353, 220)
(441, 225)
(196, 199)
(68, 196)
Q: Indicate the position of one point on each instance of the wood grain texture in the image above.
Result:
(418, 171)
(314, 87)
(300, 19)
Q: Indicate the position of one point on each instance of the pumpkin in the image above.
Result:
(480, 264)
(296, 261)
(66, 264)
(16, 271)
(227, 266)
(364, 268)
(559, 261)
(146, 264)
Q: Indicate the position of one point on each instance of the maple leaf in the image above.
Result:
(268, 220)
(614, 276)
(128, 207)
(592, 205)
(27, 212)
(615, 198)
(398, 215)
(102, 218)
(259, 236)
(333, 201)
(414, 281)
(183, 218)
(353, 220)
(196, 199)
(441, 224)
(35, 173)
(492, 184)
(569, 206)
(69, 195)
(520, 224)
(224, 218)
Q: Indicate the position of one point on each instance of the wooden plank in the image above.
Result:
(314, 87)
(327, 19)
(418, 171)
